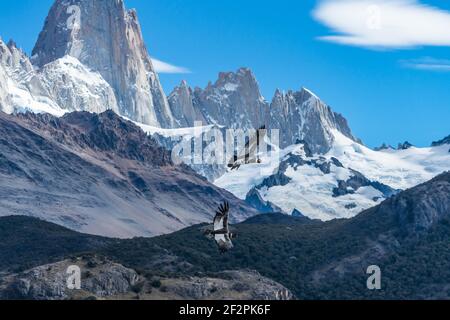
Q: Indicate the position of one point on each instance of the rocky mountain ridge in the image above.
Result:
(339, 184)
(100, 174)
(102, 279)
(235, 101)
(78, 66)
(405, 236)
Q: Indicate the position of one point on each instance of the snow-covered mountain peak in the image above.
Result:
(181, 101)
(233, 101)
(14, 57)
(278, 93)
(242, 82)
(11, 44)
(184, 84)
(107, 38)
(319, 186)
(445, 141)
(79, 69)
(400, 169)
(75, 87)
(339, 184)
(182, 91)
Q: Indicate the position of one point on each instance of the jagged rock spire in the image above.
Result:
(107, 38)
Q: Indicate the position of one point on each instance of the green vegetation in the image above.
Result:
(156, 284)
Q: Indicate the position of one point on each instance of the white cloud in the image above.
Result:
(164, 67)
(428, 63)
(384, 24)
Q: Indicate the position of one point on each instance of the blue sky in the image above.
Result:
(390, 78)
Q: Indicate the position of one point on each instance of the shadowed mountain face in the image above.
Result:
(407, 236)
(100, 174)
(106, 37)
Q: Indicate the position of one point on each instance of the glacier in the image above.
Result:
(309, 190)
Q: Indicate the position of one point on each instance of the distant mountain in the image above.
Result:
(104, 66)
(404, 146)
(107, 40)
(100, 174)
(21, 87)
(82, 66)
(406, 236)
(384, 146)
(320, 187)
(278, 219)
(445, 141)
(79, 65)
(37, 242)
(235, 101)
(43, 252)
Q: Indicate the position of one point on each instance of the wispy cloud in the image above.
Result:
(384, 24)
(428, 64)
(164, 67)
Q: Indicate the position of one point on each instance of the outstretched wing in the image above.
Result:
(221, 218)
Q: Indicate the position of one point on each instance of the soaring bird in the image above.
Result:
(249, 154)
(221, 231)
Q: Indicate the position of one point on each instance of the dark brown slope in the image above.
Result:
(100, 174)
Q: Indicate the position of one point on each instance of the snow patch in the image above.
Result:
(311, 191)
